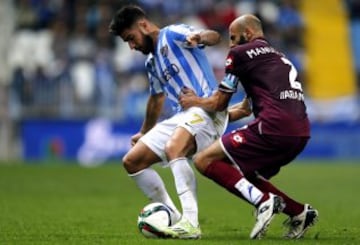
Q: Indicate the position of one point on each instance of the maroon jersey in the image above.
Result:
(270, 81)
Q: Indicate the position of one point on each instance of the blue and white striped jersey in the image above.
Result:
(175, 65)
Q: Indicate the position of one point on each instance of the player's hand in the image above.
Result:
(192, 40)
(135, 138)
(240, 110)
(245, 106)
(187, 98)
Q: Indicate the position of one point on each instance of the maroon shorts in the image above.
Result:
(262, 154)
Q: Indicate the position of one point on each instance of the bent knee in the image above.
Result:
(200, 163)
(126, 161)
(170, 151)
(130, 164)
(174, 150)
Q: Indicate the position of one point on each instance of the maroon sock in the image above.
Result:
(225, 175)
(292, 207)
(264, 197)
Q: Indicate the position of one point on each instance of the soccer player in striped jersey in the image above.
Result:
(279, 133)
(176, 60)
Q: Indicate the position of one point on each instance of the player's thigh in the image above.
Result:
(263, 154)
(139, 157)
(250, 151)
(180, 144)
(208, 155)
(157, 138)
(205, 127)
(194, 130)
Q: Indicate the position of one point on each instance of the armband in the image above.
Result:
(229, 83)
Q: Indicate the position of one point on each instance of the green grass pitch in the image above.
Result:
(68, 204)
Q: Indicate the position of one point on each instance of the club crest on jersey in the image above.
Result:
(229, 62)
(164, 50)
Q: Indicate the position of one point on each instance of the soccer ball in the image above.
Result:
(153, 217)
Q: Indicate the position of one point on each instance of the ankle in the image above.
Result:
(264, 198)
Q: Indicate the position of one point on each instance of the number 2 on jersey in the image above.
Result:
(292, 75)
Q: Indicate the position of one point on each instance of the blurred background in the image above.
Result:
(70, 91)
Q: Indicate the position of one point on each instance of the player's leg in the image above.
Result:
(214, 164)
(231, 178)
(137, 163)
(195, 130)
(301, 216)
(180, 145)
(139, 157)
(292, 206)
(245, 148)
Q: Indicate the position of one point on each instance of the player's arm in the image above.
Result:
(240, 110)
(217, 102)
(153, 109)
(205, 37)
(156, 99)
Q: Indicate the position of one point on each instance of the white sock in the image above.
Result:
(151, 184)
(185, 183)
(249, 191)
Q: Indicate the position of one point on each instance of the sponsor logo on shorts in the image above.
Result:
(237, 138)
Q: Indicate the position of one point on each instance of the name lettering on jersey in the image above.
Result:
(170, 71)
(259, 51)
(292, 94)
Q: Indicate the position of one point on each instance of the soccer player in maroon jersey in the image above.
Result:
(244, 160)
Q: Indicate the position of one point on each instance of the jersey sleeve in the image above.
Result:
(155, 86)
(230, 81)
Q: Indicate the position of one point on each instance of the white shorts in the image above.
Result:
(206, 127)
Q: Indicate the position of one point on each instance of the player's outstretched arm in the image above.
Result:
(205, 37)
(210, 37)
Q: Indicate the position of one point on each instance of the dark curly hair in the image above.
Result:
(125, 17)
